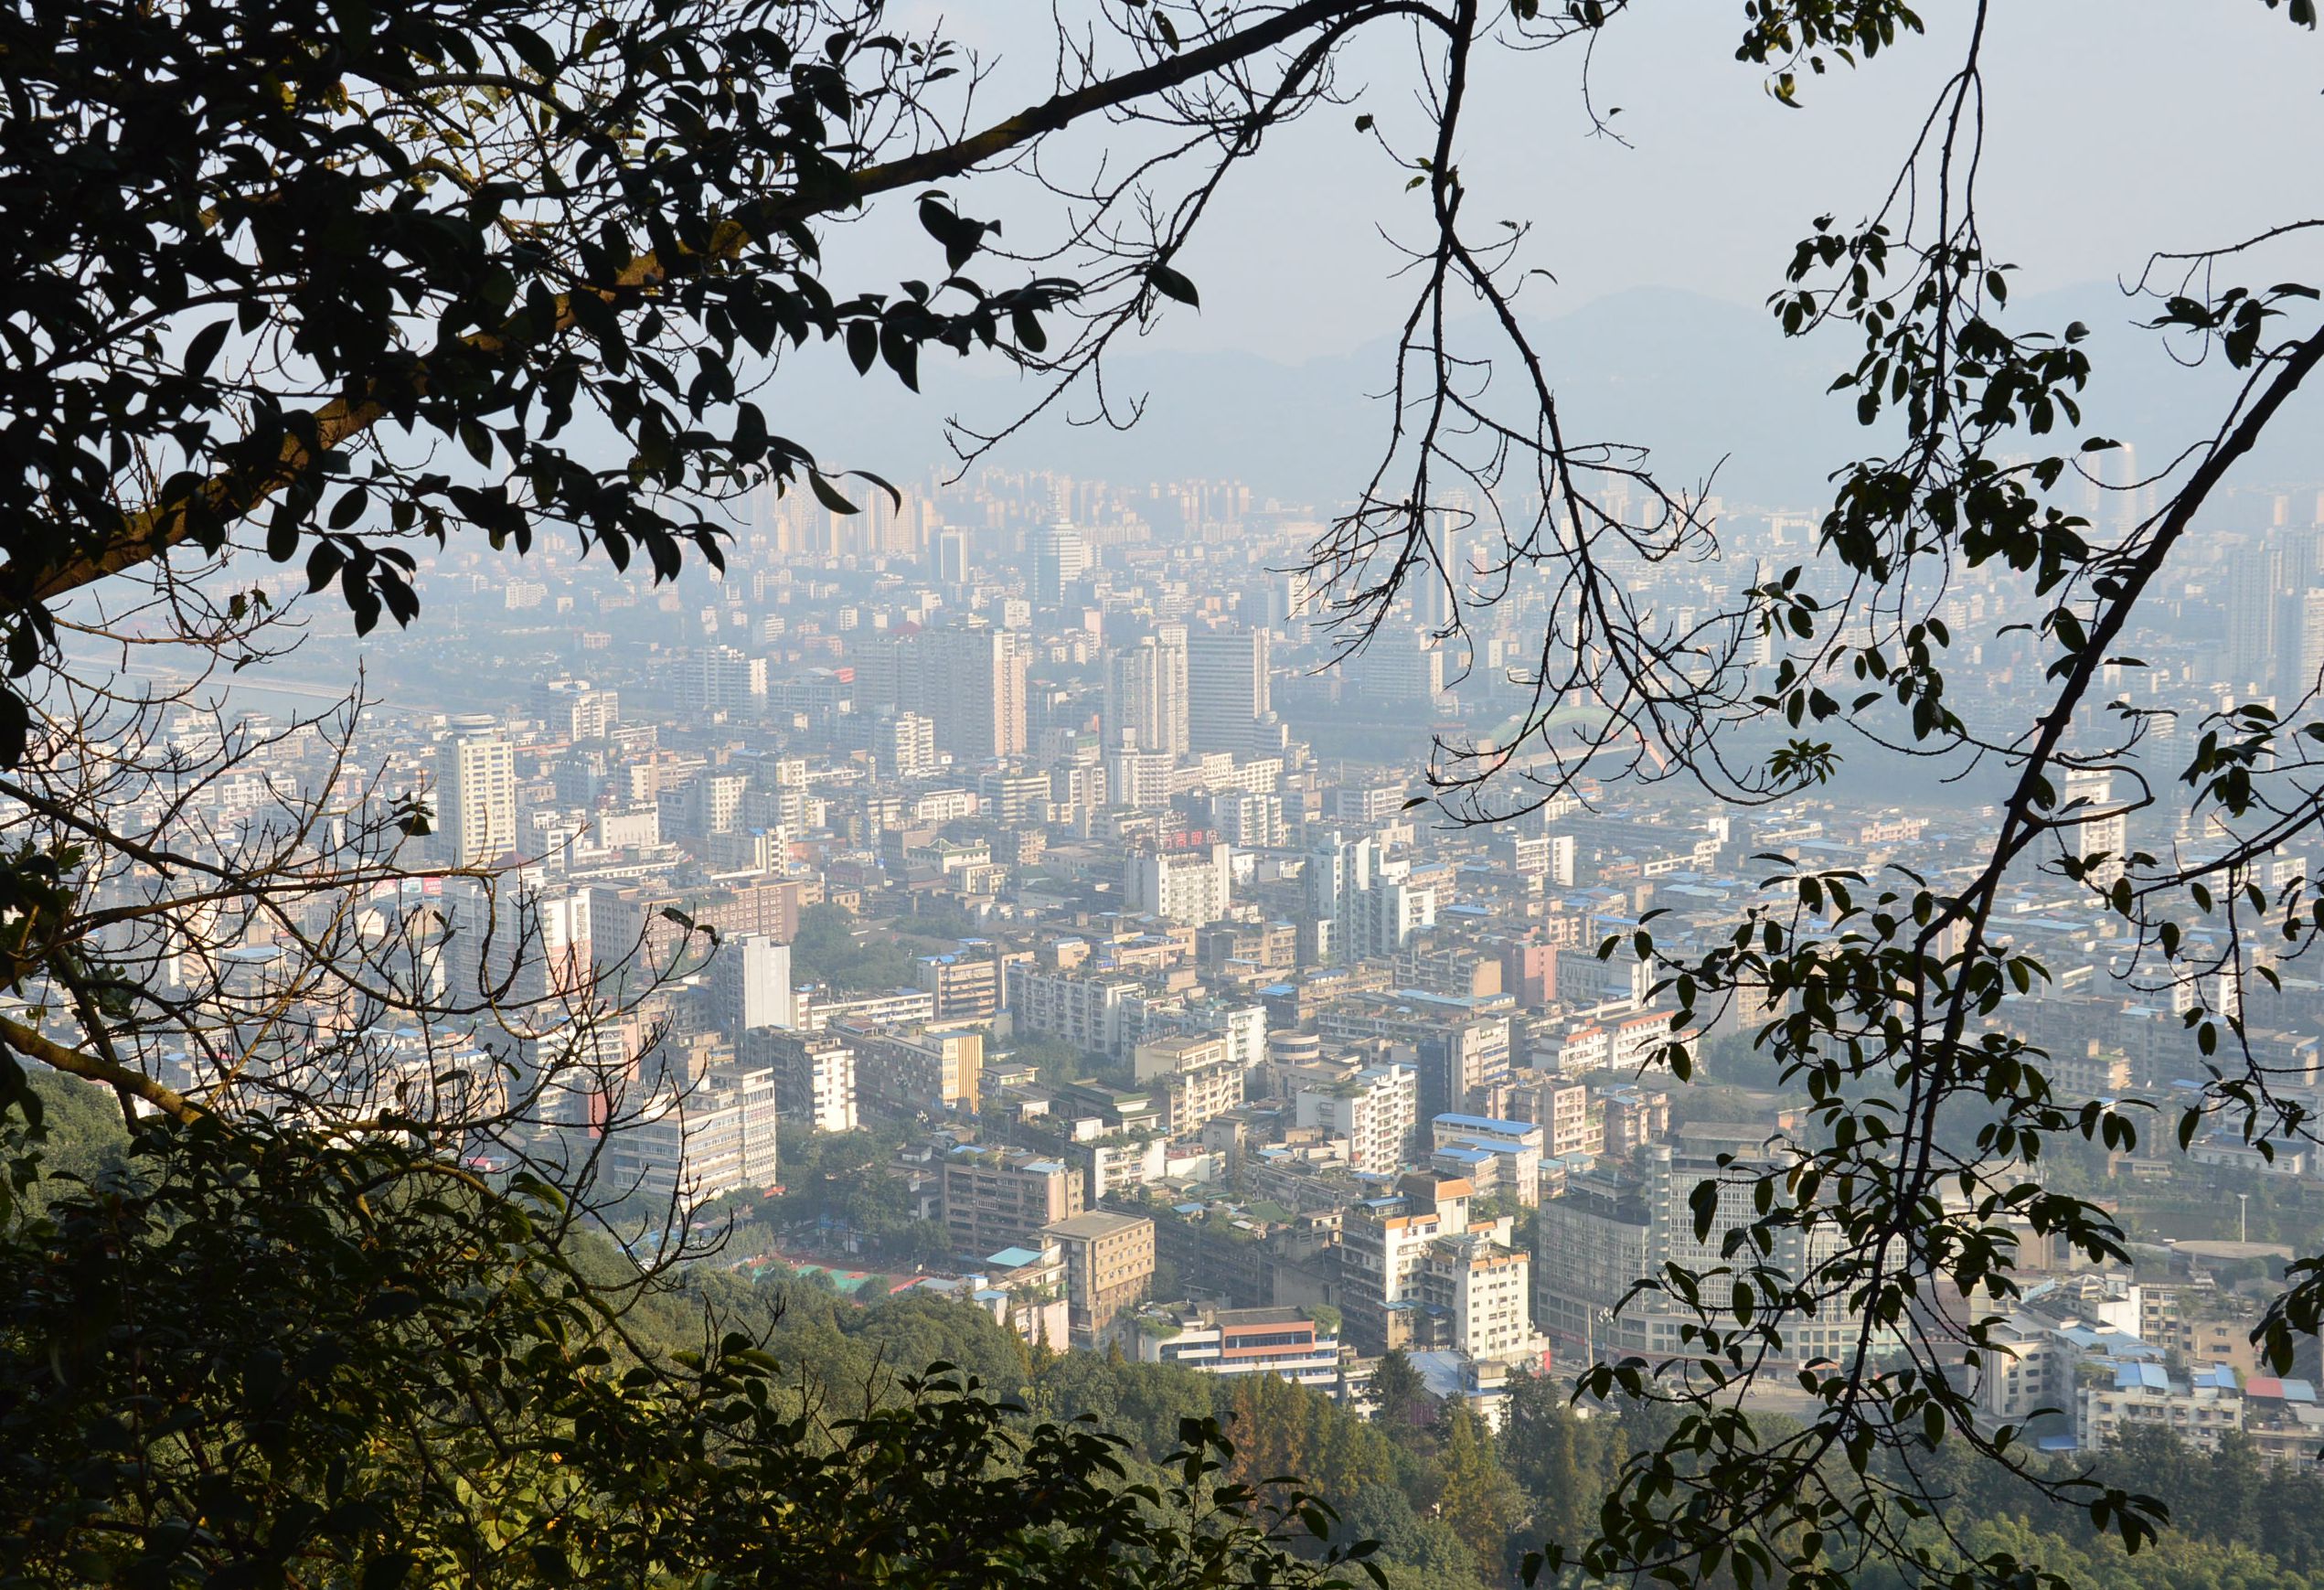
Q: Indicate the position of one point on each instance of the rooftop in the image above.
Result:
(1095, 1223)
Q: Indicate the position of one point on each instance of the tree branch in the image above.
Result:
(33, 1045)
(232, 494)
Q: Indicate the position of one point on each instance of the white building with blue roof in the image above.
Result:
(1496, 1156)
(2144, 1395)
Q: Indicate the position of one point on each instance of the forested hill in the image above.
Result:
(1457, 1507)
(1452, 1504)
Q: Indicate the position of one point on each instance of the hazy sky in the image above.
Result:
(2116, 126)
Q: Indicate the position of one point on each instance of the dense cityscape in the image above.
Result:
(1160, 794)
(1066, 879)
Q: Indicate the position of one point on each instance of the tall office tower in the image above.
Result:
(2260, 619)
(972, 683)
(476, 799)
(1146, 693)
(951, 557)
(1441, 592)
(1228, 689)
(2308, 635)
(1403, 672)
(751, 984)
(1060, 556)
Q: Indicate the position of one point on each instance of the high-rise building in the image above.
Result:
(972, 685)
(1460, 1046)
(1399, 672)
(2100, 826)
(1146, 693)
(1376, 1110)
(1184, 879)
(1060, 556)
(720, 679)
(951, 557)
(814, 1075)
(1337, 868)
(1228, 688)
(1419, 1273)
(576, 709)
(692, 1146)
(476, 787)
(751, 984)
(905, 745)
(707, 804)
(2256, 584)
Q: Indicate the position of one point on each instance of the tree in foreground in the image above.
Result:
(320, 287)
(252, 1358)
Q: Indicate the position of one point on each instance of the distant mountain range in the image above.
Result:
(1701, 381)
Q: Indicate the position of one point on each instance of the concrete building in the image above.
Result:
(2199, 1408)
(905, 744)
(1375, 1110)
(718, 679)
(1061, 557)
(1232, 1341)
(750, 986)
(1592, 1244)
(903, 1070)
(814, 1077)
(476, 799)
(1508, 1153)
(1383, 1246)
(1109, 1264)
(966, 986)
(1002, 1198)
(1195, 1076)
(1146, 693)
(1461, 1046)
(979, 691)
(1487, 1290)
(1100, 1015)
(691, 1145)
(1229, 690)
(2029, 1370)
(574, 709)
(1184, 878)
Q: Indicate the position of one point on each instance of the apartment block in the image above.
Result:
(814, 1077)
(1375, 1110)
(1109, 1264)
(901, 1070)
(690, 1146)
(1000, 1198)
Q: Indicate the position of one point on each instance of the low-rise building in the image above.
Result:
(1285, 1341)
(2198, 1409)
(1492, 1154)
